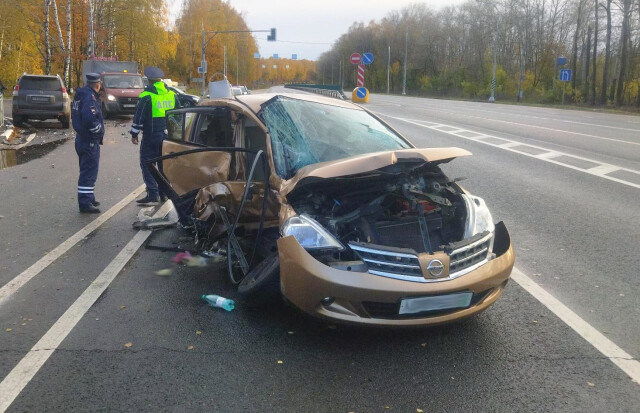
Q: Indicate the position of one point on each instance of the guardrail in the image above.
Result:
(333, 91)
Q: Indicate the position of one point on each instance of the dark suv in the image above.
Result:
(41, 97)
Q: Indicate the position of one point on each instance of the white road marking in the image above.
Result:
(26, 369)
(608, 348)
(601, 170)
(25, 276)
(541, 127)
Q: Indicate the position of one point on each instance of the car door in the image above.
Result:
(201, 155)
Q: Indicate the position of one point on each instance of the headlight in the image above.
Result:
(478, 216)
(310, 234)
(111, 98)
(196, 99)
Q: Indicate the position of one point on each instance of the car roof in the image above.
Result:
(255, 101)
(41, 76)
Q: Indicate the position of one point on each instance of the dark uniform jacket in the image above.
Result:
(143, 119)
(86, 115)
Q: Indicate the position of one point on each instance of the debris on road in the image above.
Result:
(165, 272)
(219, 302)
(146, 221)
(128, 345)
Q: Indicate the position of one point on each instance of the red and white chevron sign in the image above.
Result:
(360, 75)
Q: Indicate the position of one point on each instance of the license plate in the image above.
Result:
(129, 106)
(435, 303)
(40, 99)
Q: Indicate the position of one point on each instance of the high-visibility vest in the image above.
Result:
(161, 102)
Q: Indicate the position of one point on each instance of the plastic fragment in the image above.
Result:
(164, 273)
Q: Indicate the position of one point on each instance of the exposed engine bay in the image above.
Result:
(420, 210)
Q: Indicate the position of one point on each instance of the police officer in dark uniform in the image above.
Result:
(88, 123)
(151, 121)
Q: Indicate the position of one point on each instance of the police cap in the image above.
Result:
(153, 72)
(93, 78)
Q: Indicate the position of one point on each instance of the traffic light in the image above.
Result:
(272, 36)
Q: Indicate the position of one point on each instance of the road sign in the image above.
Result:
(360, 75)
(355, 58)
(256, 55)
(367, 58)
(275, 55)
(294, 57)
(561, 61)
(361, 92)
(565, 75)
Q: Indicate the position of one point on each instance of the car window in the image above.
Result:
(123, 82)
(40, 83)
(214, 129)
(177, 123)
(304, 133)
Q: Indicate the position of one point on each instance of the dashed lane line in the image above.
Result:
(26, 369)
(595, 168)
(25, 276)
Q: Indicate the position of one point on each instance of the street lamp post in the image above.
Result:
(203, 65)
(492, 98)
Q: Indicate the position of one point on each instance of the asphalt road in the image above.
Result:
(149, 344)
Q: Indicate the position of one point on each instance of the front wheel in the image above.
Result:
(105, 112)
(261, 285)
(65, 122)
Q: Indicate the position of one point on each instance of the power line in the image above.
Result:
(291, 41)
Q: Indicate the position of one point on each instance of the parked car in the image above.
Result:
(236, 90)
(244, 89)
(319, 201)
(40, 97)
(185, 99)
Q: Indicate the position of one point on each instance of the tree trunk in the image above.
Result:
(594, 98)
(47, 45)
(624, 43)
(67, 59)
(607, 58)
(587, 61)
(574, 55)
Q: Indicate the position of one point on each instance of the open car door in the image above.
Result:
(215, 172)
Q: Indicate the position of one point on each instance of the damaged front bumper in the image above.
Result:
(364, 298)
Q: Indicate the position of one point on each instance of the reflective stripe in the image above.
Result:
(134, 130)
(86, 187)
(85, 192)
(96, 129)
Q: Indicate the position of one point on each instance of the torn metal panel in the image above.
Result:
(196, 170)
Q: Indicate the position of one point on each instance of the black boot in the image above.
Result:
(89, 210)
(147, 200)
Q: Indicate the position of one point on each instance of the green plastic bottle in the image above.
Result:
(219, 302)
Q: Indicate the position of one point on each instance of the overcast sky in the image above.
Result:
(309, 27)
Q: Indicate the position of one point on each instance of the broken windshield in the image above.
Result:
(304, 133)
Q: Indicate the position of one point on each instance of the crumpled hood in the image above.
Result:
(366, 163)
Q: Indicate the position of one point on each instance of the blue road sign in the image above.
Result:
(367, 58)
(275, 55)
(361, 92)
(561, 61)
(294, 57)
(256, 55)
(565, 75)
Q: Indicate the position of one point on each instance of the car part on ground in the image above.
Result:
(40, 97)
(366, 228)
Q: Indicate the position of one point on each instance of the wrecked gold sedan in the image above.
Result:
(317, 200)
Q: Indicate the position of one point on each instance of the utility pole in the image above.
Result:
(404, 80)
(388, 66)
(492, 98)
(203, 65)
(90, 51)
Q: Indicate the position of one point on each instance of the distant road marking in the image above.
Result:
(25, 276)
(531, 116)
(541, 127)
(608, 348)
(23, 373)
(601, 170)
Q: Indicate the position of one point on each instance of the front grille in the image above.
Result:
(401, 265)
(406, 233)
(128, 101)
(465, 257)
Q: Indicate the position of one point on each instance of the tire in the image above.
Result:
(261, 285)
(105, 112)
(65, 122)
(18, 120)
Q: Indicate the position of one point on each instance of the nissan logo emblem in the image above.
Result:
(435, 268)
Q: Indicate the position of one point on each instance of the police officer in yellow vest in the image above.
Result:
(150, 120)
